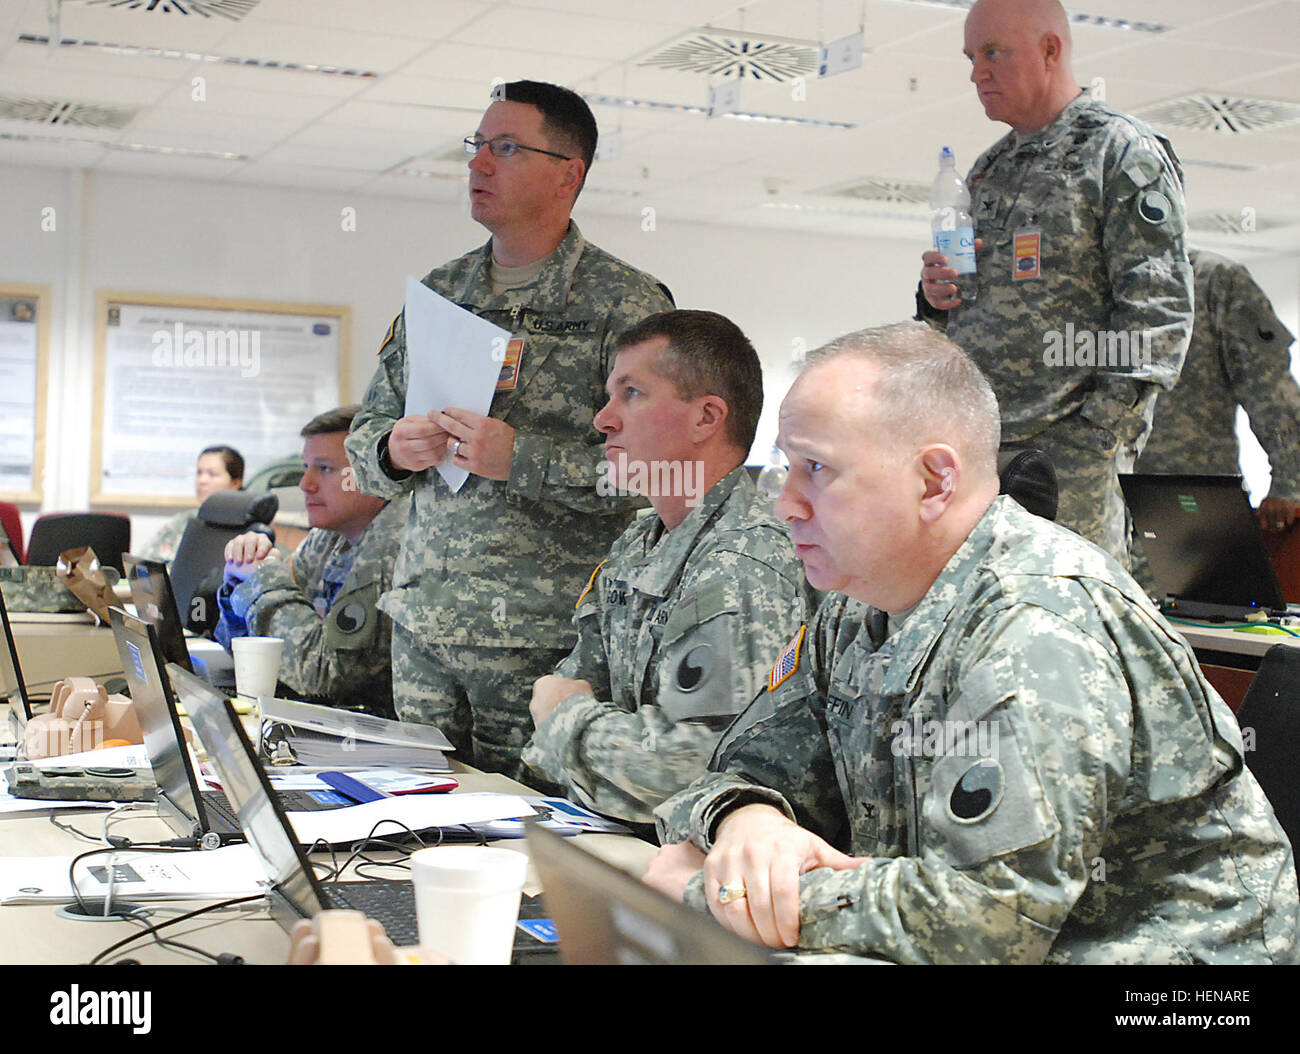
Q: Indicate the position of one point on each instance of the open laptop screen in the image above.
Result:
(152, 595)
(137, 647)
(249, 791)
(12, 687)
(1202, 540)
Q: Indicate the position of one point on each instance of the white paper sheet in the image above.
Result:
(231, 871)
(416, 811)
(453, 358)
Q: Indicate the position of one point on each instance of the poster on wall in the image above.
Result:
(24, 353)
(174, 375)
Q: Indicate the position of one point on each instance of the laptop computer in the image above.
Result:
(1203, 545)
(154, 600)
(296, 892)
(191, 812)
(12, 686)
(606, 917)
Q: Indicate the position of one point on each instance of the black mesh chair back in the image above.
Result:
(200, 561)
(108, 533)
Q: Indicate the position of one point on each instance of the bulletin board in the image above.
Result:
(175, 374)
(24, 364)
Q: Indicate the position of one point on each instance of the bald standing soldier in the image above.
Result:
(1084, 304)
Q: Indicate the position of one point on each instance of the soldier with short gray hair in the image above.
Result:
(1021, 755)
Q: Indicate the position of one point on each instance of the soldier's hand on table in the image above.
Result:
(1277, 514)
(758, 855)
(550, 691)
(245, 553)
(486, 444)
(938, 279)
(672, 867)
(417, 442)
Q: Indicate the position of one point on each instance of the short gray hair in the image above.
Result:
(928, 389)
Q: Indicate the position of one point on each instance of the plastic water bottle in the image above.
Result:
(771, 480)
(954, 233)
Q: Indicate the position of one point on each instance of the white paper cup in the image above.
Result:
(257, 665)
(467, 901)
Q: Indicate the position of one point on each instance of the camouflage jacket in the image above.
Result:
(167, 539)
(1032, 761)
(1239, 355)
(498, 563)
(336, 653)
(1104, 193)
(676, 633)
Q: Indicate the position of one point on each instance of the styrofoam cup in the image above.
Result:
(257, 665)
(467, 901)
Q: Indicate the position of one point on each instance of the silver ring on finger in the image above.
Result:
(455, 448)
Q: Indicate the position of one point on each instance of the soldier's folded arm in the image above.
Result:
(996, 874)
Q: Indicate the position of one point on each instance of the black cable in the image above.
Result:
(152, 930)
(147, 848)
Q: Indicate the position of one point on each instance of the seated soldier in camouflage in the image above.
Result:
(677, 627)
(323, 601)
(1021, 754)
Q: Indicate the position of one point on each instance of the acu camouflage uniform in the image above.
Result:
(1033, 763)
(486, 576)
(676, 633)
(1105, 191)
(163, 545)
(1239, 355)
(324, 602)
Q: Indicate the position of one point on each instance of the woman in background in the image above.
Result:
(219, 468)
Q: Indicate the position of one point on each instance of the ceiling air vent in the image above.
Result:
(722, 53)
(234, 10)
(1227, 114)
(58, 113)
(879, 190)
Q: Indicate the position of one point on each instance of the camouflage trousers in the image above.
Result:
(1088, 462)
(477, 696)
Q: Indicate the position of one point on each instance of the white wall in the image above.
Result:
(117, 231)
(125, 232)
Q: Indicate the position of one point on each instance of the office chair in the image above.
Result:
(1030, 477)
(200, 561)
(12, 521)
(108, 533)
(1271, 710)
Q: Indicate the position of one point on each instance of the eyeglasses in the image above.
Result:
(503, 147)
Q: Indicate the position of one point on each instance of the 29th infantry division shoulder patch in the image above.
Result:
(787, 662)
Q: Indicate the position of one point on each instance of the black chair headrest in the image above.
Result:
(238, 508)
(1030, 478)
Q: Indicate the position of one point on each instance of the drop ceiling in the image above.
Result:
(373, 96)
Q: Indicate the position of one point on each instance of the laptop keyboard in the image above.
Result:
(393, 905)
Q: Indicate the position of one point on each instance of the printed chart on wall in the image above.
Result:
(24, 353)
(176, 374)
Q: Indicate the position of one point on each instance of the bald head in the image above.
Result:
(1020, 56)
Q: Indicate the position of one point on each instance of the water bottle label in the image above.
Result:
(959, 246)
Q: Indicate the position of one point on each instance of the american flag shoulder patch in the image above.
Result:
(590, 582)
(787, 662)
